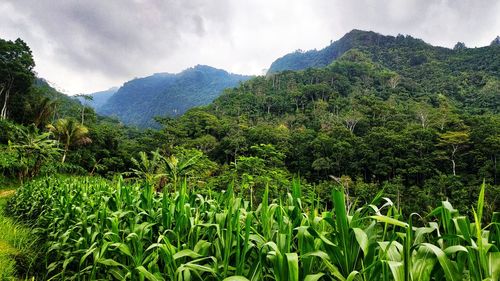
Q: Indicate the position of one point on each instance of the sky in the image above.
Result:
(92, 45)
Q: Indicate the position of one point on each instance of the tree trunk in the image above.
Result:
(495, 169)
(455, 148)
(66, 148)
(2, 88)
(3, 113)
(64, 156)
(83, 114)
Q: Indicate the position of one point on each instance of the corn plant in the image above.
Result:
(99, 229)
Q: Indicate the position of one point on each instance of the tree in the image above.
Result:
(69, 132)
(16, 73)
(423, 112)
(394, 81)
(454, 141)
(351, 119)
(43, 111)
(84, 106)
(459, 46)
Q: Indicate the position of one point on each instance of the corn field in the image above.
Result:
(94, 229)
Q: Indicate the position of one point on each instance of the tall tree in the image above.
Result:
(454, 141)
(86, 98)
(16, 75)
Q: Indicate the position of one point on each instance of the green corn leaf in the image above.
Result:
(150, 276)
(390, 220)
(397, 269)
(450, 270)
(362, 239)
(235, 278)
(199, 268)
(494, 265)
(342, 227)
(123, 248)
(118, 274)
(453, 249)
(314, 277)
(422, 264)
(293, 266)
(326, 260)
(352, 275)
(202, 247)
(186, 253)
(392, 250)
(110, 262)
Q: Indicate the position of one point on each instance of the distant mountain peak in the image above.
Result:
(496, 41)
(161, 94)
(353, 39)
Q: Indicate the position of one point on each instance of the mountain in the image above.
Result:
(496, 41)
(141, 99)
(395, 52)
(65, 105)
(99, 98)
(457, 73)
(366, 40)
(388, 109)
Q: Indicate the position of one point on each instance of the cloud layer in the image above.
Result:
(85, 46)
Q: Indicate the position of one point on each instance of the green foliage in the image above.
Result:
(18, 245)
(130, 232)
(69, 133)
(16, 76)
(169, 171)
(28, 151)
(164, 94)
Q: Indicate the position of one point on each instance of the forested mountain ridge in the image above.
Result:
(431, 128)
(165, 94)
(397, 53)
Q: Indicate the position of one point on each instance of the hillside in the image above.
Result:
(139, 100)
(395, 52)
(431, 128)
(99, 98)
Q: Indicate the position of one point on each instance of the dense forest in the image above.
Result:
(312, 172)
(138, 101)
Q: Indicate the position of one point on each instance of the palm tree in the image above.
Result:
(43, 111)
(69, 132)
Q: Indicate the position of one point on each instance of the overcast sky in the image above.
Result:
(86, 46)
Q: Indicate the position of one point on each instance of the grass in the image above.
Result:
(16, 243)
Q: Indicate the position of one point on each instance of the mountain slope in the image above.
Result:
(393, 52)
(99, 98)
(432, 126)
(141, 99)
